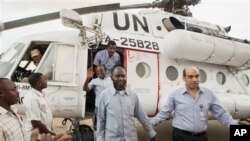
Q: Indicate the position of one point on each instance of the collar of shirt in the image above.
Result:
(105, 78)
(121, 92)
(4, 111)
(114, 91)
(106, 52)
(38, 93)
(185, 91)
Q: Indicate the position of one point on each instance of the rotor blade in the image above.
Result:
(55, 15)
(30, 20)
(143, 5)
(99, 8)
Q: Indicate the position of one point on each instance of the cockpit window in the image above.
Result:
(29, 61)
(47, 65)
(59, 63)
(9, 58)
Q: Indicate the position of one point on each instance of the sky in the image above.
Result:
(222, 12)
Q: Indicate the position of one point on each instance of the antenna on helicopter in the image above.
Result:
(227, 29)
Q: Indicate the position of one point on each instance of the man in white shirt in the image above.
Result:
(37, 107)
(98, 84)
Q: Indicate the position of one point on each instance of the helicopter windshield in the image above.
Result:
(9, 58)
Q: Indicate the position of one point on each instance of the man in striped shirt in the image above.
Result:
(11, 126)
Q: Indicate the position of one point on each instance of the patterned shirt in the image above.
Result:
(99, 85)
(37, 108)
(102, 58)
(116, 112)
(11, 126)
(192, 114)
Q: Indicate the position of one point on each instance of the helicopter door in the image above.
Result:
(143, 77)
(59, 64)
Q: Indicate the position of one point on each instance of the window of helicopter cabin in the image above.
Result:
(221, 78)
(172, 23)
(143, 70)
(172, 73)
(26, 65)
(203, 76)
(9, 58)
(245, 79)
(59, 63)
(194, 28)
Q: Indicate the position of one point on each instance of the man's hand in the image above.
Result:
(146, 128)
(34, 135)
(61, 137)
(90, 73)
(153, 139)
(48, 137)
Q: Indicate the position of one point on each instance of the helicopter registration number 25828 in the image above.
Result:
(135, 43)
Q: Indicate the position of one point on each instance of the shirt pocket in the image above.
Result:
(43, 107)
(131, 109)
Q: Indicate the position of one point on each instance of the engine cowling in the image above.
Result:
(187, 45)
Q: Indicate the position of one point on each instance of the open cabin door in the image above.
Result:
(60, 64)
(143, 77)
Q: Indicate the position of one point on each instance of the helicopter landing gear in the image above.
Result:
(79, 132)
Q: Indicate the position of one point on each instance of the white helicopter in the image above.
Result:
(155, 46)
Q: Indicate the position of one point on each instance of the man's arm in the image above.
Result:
(101, 119)
(48, 137)
(90, 74)
(42, 128)
(2, 137)
(118, 63)
(221, 113)
(165, 111)
(97, 58)
(141, 115)
(32, 110)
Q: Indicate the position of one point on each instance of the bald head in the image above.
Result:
(191, 77)
(192, 68)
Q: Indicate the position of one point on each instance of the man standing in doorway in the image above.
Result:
(108, 57)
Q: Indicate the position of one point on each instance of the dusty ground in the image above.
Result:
(216, 131)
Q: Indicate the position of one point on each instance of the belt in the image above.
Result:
(191, 133)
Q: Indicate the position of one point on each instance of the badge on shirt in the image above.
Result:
(202, 114)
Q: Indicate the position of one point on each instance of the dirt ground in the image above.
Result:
(216, 131)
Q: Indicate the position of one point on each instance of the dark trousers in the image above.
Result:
(94, 118)
(180, 135)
